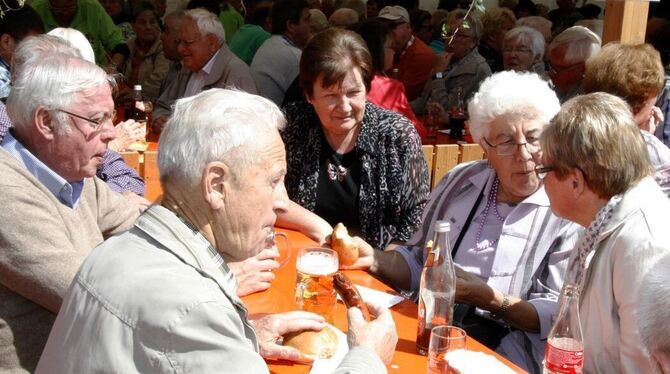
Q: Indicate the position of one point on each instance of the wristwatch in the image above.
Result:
(500, 314)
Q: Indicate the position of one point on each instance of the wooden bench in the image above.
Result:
(441, 158)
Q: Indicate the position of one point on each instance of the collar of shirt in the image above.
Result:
(409, 44)
(68, 193)
(207, 69)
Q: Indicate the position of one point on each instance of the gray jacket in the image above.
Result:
(228, 72)
(153, 301)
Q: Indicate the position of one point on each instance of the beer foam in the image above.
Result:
(317, 263)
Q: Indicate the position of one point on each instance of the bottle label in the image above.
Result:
(564, 361)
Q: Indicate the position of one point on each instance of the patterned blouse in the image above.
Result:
(394, 179)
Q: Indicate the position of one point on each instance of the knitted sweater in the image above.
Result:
(42, 244)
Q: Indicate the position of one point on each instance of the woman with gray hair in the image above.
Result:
(511, 251)
(523, 50)
(597, 173)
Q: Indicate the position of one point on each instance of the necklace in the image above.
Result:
(491, 201)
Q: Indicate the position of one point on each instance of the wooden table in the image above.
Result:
(280, 298)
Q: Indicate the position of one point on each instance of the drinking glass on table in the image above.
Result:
(446, 342)
(284, 248)
(314, 291)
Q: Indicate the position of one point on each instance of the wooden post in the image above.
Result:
(625, 21)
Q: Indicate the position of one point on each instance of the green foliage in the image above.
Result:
(4, 7)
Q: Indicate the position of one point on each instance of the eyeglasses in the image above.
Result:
(542, 170)
(187, 43)
(95, 123)
(517, 50)
(509, 147)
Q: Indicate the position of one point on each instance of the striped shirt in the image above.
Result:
(530, 256)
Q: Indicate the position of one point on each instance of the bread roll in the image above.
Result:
(313, 344)
(344, 245)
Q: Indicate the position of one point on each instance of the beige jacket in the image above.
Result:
(42, 244)
(153, 300)
(634, 239)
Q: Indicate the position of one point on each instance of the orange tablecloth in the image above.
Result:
(280, 298)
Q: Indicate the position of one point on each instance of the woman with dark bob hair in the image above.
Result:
(348, 160)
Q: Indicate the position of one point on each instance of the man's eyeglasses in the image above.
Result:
(95, 123)
(509, 147)
(542, 171)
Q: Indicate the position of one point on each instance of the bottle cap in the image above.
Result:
(137, 87)
(442, 226)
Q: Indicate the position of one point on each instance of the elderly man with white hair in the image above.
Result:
(207, 63)
(568, 53)
(54, 210)
(222, 166)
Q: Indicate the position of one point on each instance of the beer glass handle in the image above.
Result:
(300, 289)
(285, 250)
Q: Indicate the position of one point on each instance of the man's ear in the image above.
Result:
(7, 45)
(213, 42)
(215, 183)
(44, 122)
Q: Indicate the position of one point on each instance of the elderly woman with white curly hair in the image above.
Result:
(510, 249)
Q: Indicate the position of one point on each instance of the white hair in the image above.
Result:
(517, 94)
(541, 24)
(215, 125)
(47, 72)
(77, 40)
(581, 42)
(595, 25)
(653, 311)
(529, 35)
(207, 23)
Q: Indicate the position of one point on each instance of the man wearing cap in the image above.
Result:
(413, 58)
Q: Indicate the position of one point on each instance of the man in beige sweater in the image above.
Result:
(54, 212)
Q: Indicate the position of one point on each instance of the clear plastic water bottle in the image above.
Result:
(438, 287)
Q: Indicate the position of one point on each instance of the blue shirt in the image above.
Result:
(68, 193)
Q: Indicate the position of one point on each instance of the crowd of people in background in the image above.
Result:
(305, 114)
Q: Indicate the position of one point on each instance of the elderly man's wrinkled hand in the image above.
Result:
(271, 328)
(379, 335)
(255, 273)
(365, 255)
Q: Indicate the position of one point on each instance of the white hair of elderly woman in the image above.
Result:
(529, 35)
(49, 82)
(653, 312)
(510, 93)
(78, 41)
(207, 23)
(215, 125)
(581, 42)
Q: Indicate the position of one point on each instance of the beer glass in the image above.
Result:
(444, 341)
(314, 291)
(284, 248)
